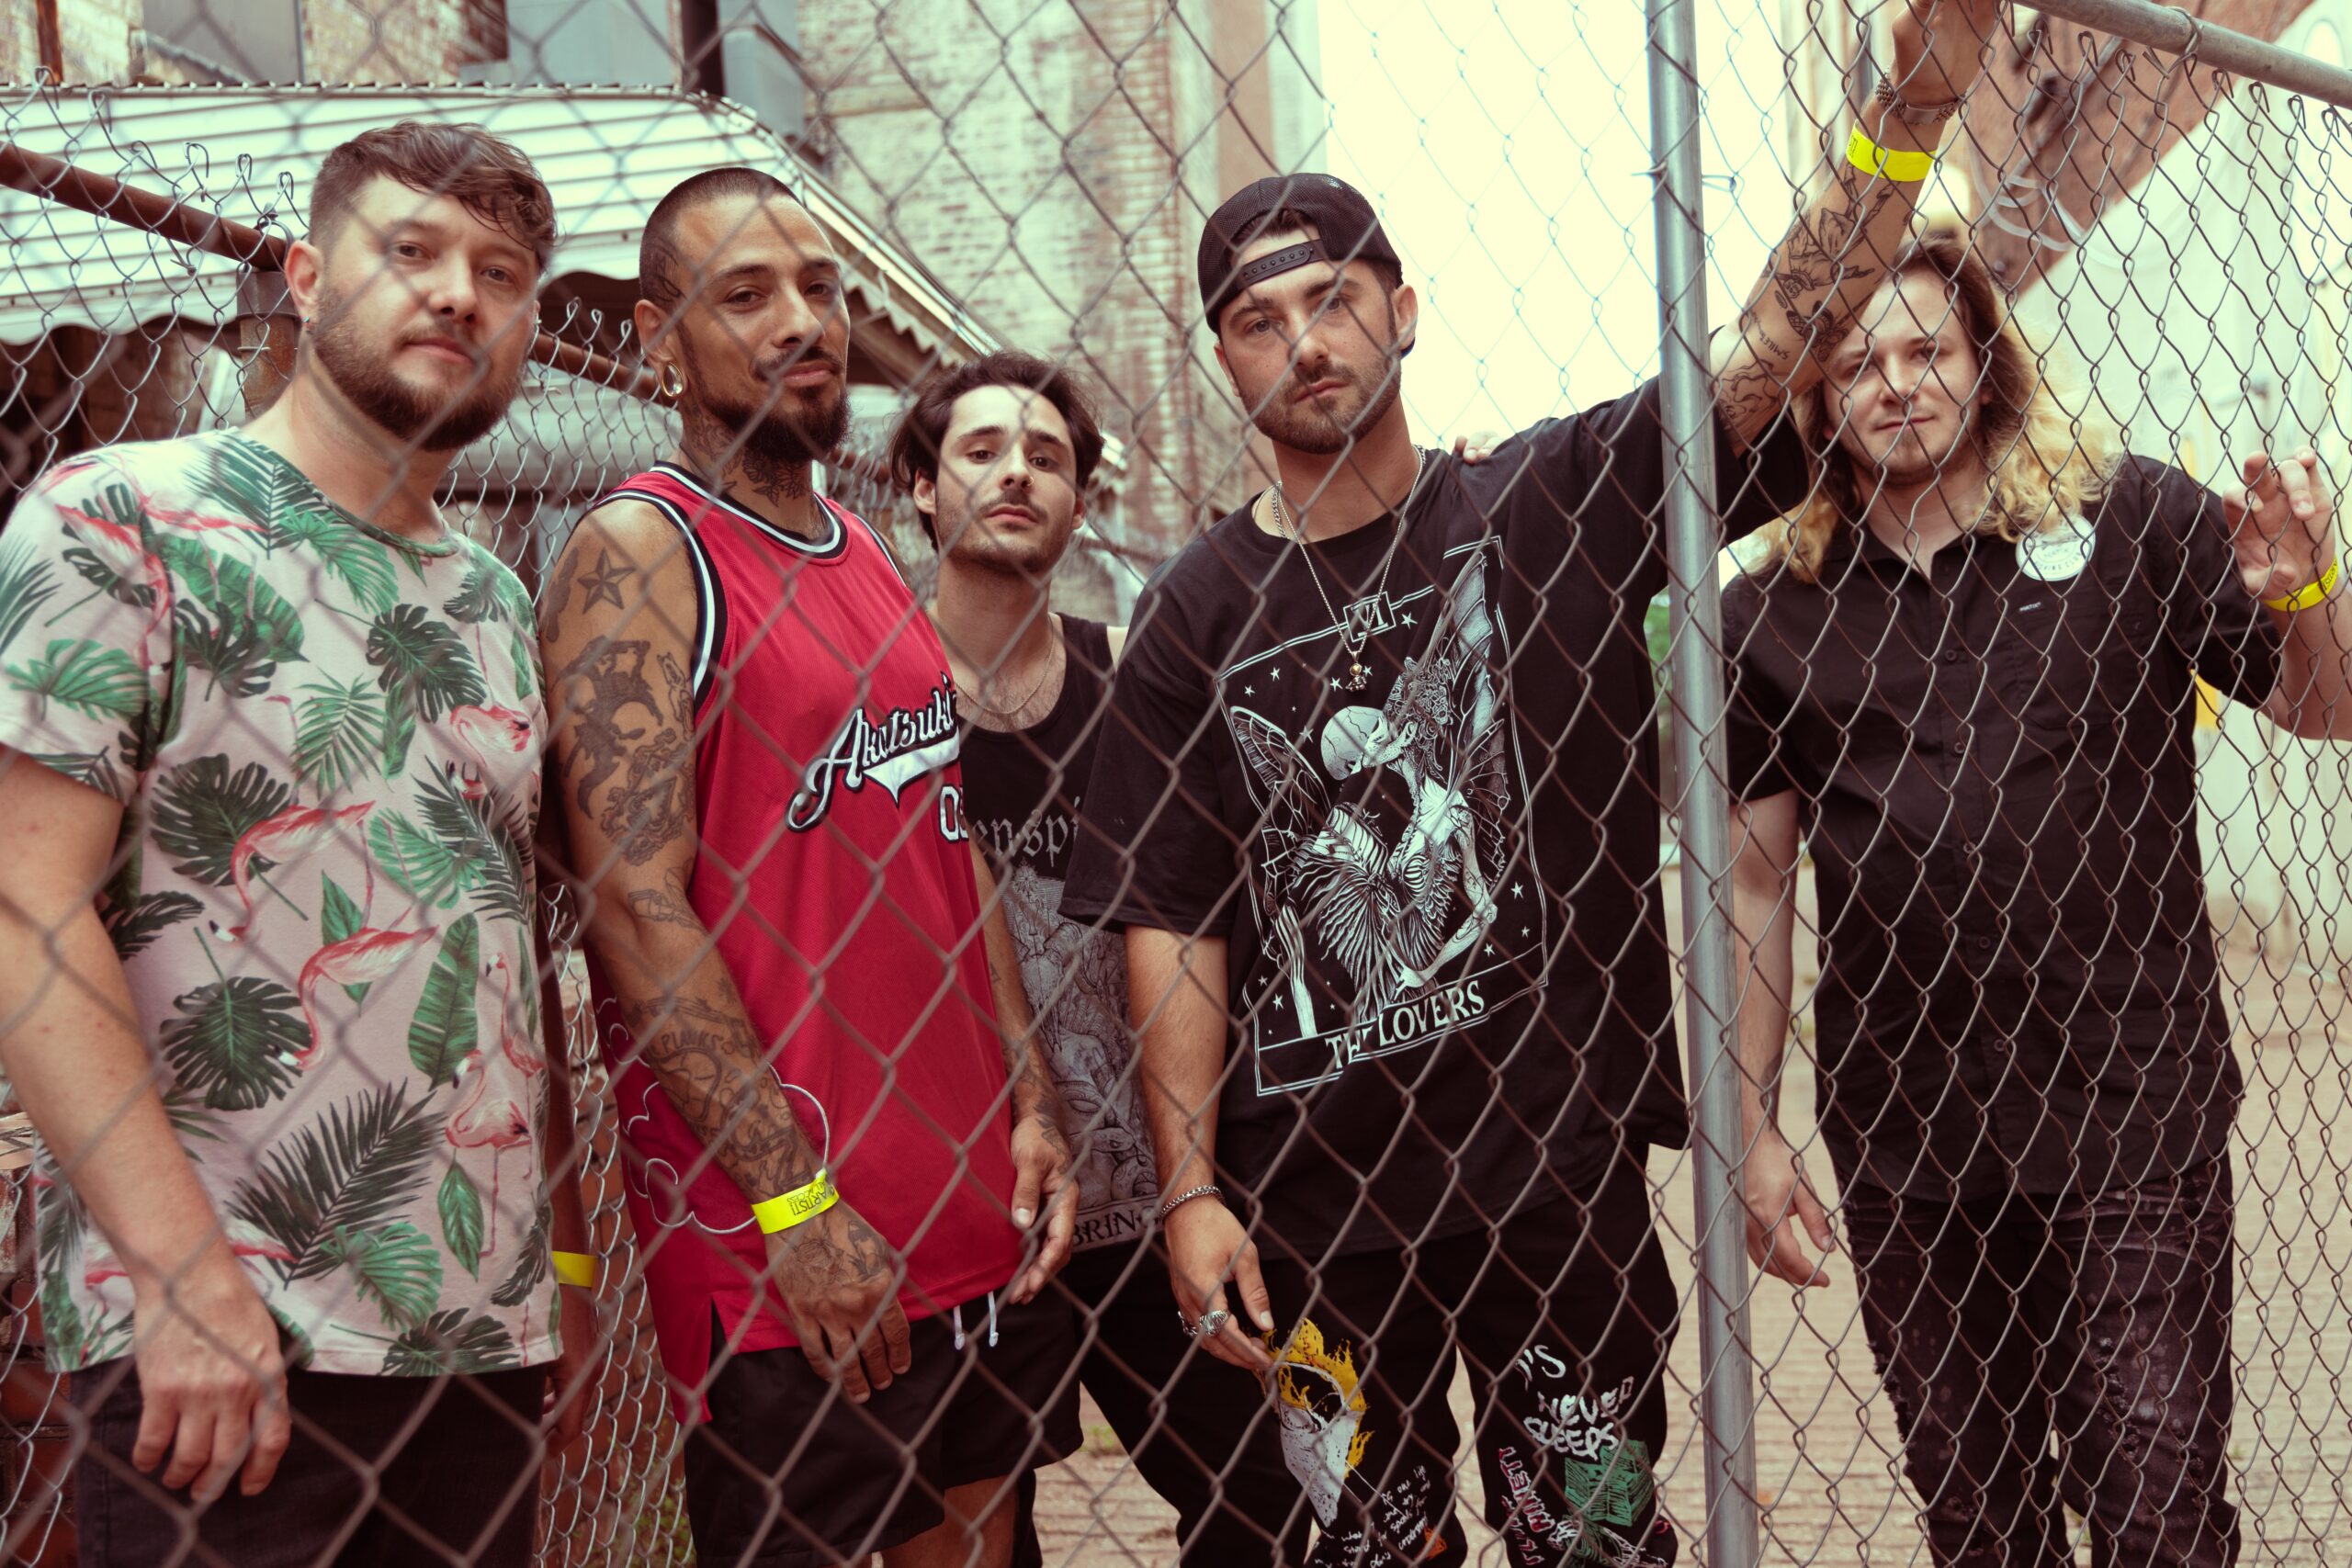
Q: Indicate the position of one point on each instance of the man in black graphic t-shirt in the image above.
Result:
(997, 454)
(1378, 798)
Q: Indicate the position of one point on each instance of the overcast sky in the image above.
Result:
(1505, 143)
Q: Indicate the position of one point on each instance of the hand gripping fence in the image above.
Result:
(695, 810)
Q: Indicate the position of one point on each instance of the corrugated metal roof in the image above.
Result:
(607, 156)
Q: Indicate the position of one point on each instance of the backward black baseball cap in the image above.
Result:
(1346, 229)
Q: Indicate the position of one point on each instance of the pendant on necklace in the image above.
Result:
(1358, 677)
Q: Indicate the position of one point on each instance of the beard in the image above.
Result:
(770, 427)
(772, 433)
(1326, 427)
(422, 421)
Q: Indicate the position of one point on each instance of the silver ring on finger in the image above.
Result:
(1211, 1322)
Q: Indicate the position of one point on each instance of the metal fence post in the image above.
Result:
(1727, 1396)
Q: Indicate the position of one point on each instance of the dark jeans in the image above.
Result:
(2044, 1351)
(1202, 1434)
(383, 1473)
(1563, 1316)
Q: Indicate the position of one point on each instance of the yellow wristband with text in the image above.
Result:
(1893, 163)
(2311, 593)
(576, 1268)
(802, 1203)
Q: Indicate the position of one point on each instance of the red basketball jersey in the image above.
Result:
(836, 879)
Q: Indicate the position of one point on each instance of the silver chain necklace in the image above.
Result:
(1357, 630)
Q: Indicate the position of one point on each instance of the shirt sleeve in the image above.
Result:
(2230, 639)
(1153, 849)
(1756, 721)
(86, 628)
(1606, 471)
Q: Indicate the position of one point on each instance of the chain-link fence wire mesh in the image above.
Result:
(2168, 239)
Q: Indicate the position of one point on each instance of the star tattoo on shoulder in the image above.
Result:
(604, 584)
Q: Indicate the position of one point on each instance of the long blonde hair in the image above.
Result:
(2045, 460)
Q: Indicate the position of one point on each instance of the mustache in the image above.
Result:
(777, 368)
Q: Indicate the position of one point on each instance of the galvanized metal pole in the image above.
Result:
(2174, 31)
(1726, 1394)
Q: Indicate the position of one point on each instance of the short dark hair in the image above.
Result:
(658, 261)
(485, 174)
(914, 445)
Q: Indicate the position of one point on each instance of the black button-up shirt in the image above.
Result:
(1995, 763)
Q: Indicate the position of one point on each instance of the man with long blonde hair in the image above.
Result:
(1969, 668)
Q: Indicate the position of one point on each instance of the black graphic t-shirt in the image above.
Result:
(1446, 969)
(1022, 790)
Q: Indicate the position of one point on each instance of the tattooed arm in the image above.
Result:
(622, 612)
(1041, 1157)
(1834, 255)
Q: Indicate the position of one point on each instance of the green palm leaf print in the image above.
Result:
(488, 851)
(230, 622)
(445, 1028)
(398, 1267)
(133, 926)
(234, 1042)
(336, 732)
(358, 1165)
(61, 1321)
(531, 1265)
(426, 670)
(452, 1342)
(107, 581)
(94, 681)
(428, 870)
(202, 809)
(340, 918)
(461, 1218)
(362, 564)
(478, 599)
(26, 584)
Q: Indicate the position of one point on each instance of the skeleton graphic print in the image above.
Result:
(1382, 868)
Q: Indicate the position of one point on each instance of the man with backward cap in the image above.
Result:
(1377, 795)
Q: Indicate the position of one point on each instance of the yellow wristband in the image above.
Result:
(576, 1268)
(1894, 164)
(789, 1208)
(2311, 593)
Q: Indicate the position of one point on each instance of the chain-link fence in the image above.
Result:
(930, 762)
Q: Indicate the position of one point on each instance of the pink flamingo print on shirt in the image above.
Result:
(489, 733)
(526, 1061)
(293, 832)
(131, 554)
(360, 959)
(491, 1116)
(244, 1241)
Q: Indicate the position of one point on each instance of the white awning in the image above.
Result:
(249, 154)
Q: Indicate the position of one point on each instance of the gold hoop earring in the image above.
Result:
(663, 378)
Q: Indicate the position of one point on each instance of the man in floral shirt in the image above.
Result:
(269, 745)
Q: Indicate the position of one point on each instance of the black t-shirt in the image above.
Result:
(1446, 965)
(1994, 760)
(1021, 792)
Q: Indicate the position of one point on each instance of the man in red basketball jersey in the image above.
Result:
(833, 1151)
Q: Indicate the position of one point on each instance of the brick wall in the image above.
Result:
(1052, 165)
(96, 35)
(384, 40)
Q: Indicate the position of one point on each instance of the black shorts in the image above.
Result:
(787, 1472)
(453, 1464)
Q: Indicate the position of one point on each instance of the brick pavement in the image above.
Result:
(1826, 1449)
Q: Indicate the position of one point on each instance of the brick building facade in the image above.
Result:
(1055, 176)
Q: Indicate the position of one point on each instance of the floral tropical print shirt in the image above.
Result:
(325, 739)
